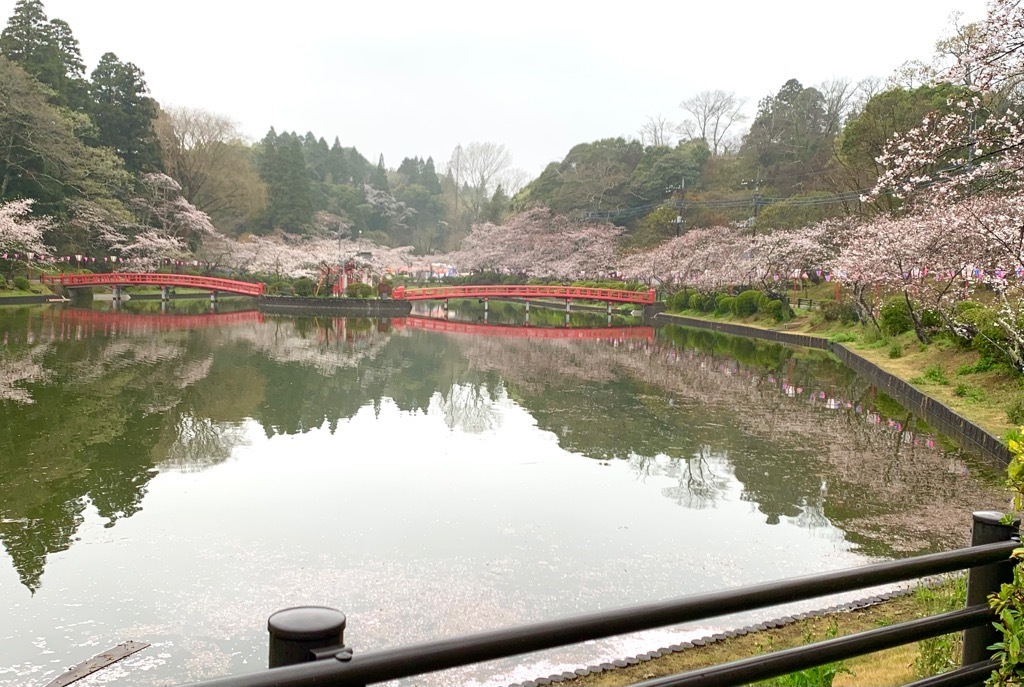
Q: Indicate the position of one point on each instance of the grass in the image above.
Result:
(37, 290)
(882, 669)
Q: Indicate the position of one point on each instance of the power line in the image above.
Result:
(735, 203)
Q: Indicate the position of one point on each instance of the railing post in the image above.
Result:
(984, 580)
(296, 632)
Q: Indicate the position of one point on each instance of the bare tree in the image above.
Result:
(838, 98)
(209, 157)
(478, 169)
(866, 89)
(711, 114)
(656, 131)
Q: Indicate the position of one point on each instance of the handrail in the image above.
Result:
(525, 291)
(837, 649)
(155, 279)
(408, 661)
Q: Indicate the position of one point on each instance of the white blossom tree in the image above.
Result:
(19, 231)
(540, 243)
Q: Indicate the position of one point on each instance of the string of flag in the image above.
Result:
(108, 259)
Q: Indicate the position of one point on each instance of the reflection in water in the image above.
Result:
(98, 409)
(702, 478)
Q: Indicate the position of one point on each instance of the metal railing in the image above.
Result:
(524, 291)
(307, 645)
(155, 279)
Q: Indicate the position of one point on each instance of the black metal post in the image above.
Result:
(984, 580)
(296, 632)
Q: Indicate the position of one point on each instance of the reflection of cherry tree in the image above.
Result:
(15, 372)
(702, 477)
(870, 461)
(469, 407)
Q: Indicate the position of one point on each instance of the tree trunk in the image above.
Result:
(915, 317)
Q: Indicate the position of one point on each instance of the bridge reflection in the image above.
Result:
(79, 323)
(525, 332)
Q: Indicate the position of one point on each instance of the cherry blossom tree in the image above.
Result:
(19, 231)
(702, 259)
(962, 176)
(539, 242)
(978, 146)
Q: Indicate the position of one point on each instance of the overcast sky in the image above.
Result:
(403, 78)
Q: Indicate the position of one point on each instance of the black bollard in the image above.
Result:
(984, 580)
(296, 632)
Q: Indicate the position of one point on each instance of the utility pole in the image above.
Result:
(681, 203)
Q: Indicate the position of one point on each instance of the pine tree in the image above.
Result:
(428, 178)
(379, 180)
(27, 41)
(124, 114)
(48, 51)
(283, 169)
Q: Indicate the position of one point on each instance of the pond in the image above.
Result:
(176, 478)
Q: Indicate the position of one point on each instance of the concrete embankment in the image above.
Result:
(32, 300)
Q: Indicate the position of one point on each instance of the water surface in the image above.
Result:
(176, 479)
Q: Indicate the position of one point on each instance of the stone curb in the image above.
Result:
(718, 637)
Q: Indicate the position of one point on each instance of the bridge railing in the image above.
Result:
(155, 279)
(307, 644)
(524, 291)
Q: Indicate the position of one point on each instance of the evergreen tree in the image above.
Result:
(428, 178)
(47, 50)
(72, 86)
(27, 40)
(789, 143)
(498, 207)
(124, 114)
(379, 180)
(410, 170)
(283, 169)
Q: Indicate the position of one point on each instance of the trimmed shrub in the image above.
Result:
(22, 284)
(778, 310)
(894, 318)
(1015, 411)
(358, 290)
(303, 286)
(678, 301)
(746, 303)
(840, 311)
(725, 305)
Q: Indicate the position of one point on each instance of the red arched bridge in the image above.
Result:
(524, 291)
(243, 288)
